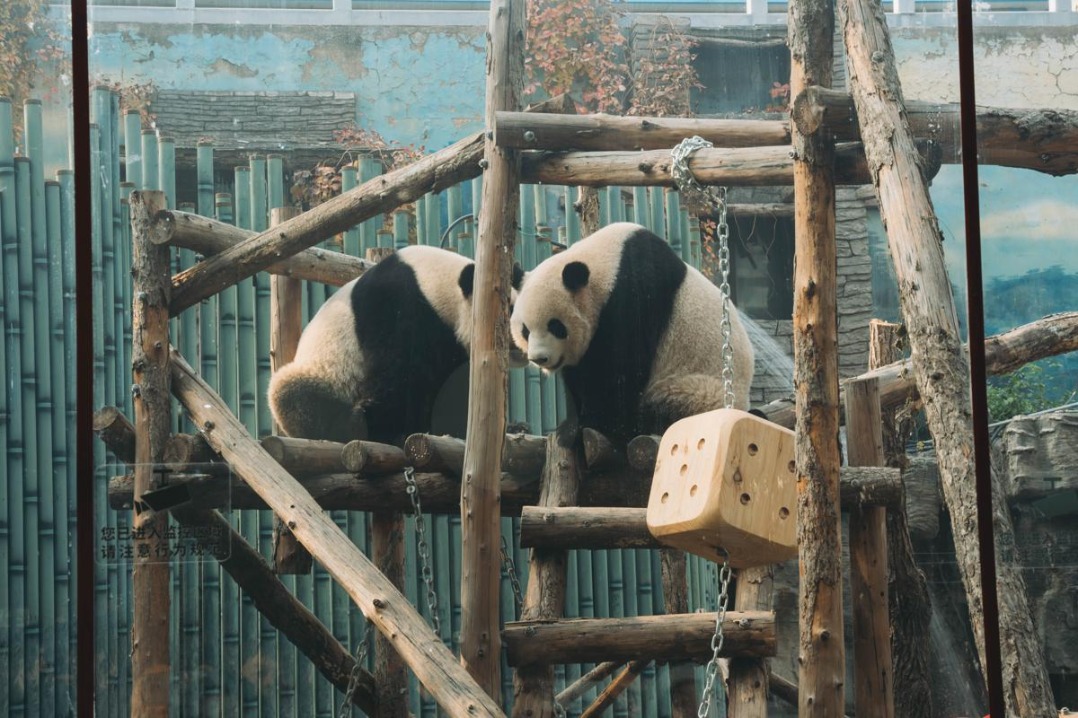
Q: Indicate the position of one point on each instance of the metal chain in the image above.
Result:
(423, 550)
(700, 199)
(510, 569)
(712, 669)
(357, 671)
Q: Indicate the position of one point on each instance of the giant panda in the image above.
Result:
(372, 359)
(634, 331)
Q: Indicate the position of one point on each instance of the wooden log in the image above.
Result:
(522, 455)
(676, 637)
(113, 428)
(617, 686)
(528, 131)
(255, 577)
(208, 237)
(585, 683)
(533, 685)
(673, 567)
(389, 610)
(821, 657)
(185, 451)
(741, 167)
(600, 452)
(480, 650)
(592, 528)
(642, 451)
(749, 679)
(1049, 336)
(150, 576)
(1044, 140)
(874, 680)
(372, 458)
(909, 607)
(939, 364)
(286, 324)
(307, 457)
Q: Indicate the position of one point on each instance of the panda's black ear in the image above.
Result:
(518, 276)
(467, 280)
(575, 276)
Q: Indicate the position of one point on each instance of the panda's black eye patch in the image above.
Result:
(555, 327)
(524, 331)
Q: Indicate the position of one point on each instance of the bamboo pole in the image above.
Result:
(379, 601)
(822, 655)
(480, 517)
(617, 686)
(209, 237)
(874, 679)
(286, 325)
(939, 364)
(585, 683)
(685, 636)
(533, 686)
(150, 391)
(910, 611)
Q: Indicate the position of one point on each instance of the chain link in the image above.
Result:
(423, 550)
(357, 671)
(712, 669)
(510, 569)
(700, 199)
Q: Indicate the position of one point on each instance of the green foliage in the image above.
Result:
(1026, 391)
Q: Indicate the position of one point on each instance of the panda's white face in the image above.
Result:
(551, 319)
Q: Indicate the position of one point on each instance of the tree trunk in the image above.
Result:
(480, 649)
(939, 364)
(822, 671)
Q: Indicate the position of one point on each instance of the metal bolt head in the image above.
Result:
(529, 136)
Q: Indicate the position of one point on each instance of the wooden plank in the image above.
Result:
(480, 650)
(685, 636)
(822, 667)
(874, 673)
(435, 667)
(533, 685)
(150, 575)
(939, 364)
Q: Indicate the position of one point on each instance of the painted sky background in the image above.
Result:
(1029, 221)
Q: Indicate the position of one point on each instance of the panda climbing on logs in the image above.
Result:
(371, 361)
(635, 332)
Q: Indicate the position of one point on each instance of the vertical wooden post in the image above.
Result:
(940, 365)
(821, 655)
(286, 324)
(533, 686)
(150, 391)
(748, 682)
(873, 676)
(387, 554)
(910, 611)
(674, 567)
(480, 644)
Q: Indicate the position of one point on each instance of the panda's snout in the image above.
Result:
(539, 360)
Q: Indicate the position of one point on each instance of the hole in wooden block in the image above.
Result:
(700, 445)
(684, 469)
(737, 475)
(784, 513)
(745, 498)
(792, 467)
(665, 497)
(673, 449)
(753, 449)
(692, 490)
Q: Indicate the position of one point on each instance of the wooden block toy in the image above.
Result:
(726, 479)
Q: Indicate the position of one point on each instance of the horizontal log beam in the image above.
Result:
(677, 637)
(1045, 140)
(209, 237)
(372, 458)
(528, 131)
(440, 493)
(523, 455)
(737, 167)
